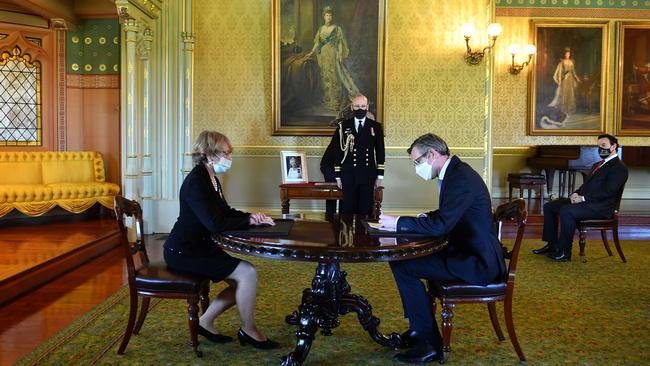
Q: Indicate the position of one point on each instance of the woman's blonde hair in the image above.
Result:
(209, 143)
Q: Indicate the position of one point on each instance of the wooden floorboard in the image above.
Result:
(31, 255)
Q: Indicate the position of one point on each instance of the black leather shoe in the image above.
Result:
(421, 352)
(408, 338)
(545, 249)
(213, 337)
(245, 339)
(561, 256)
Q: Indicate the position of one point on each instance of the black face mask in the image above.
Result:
(603, 152)
(359, 113)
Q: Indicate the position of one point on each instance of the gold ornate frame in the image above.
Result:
(628, 92)
(308, 127)
(539, 103)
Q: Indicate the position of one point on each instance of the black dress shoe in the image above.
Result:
(545, 249)
(408, 338)
(213, 337)
(561, 256)
(245, 339)
(421, 352)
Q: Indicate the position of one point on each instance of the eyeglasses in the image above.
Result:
(224, 153)
(359, 106)
(416, 162)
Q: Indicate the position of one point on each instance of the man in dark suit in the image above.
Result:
(595, 199)
(473, 254)
(358, 153)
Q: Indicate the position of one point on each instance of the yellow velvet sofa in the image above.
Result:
(35, 182)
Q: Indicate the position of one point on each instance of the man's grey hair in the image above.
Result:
(430, 141)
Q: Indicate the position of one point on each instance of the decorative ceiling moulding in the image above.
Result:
(23, 19)
(143, 10)
(574, 13)
(59, 23)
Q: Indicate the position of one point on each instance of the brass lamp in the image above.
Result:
(475, 57)
(529, 49)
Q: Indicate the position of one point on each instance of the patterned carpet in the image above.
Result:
(577, 313)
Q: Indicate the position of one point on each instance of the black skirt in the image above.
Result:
(216, 266)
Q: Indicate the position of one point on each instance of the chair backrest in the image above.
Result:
(135, 252)
(619, 197)
(514, 211)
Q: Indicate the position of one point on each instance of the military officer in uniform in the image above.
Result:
(358, 146)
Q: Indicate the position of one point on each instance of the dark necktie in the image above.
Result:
(597, 166)
(359, 126)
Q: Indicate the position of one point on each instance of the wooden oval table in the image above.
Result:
(342, 239)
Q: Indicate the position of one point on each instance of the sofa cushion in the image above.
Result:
(24, 172)
(68, 171)
(60, 191)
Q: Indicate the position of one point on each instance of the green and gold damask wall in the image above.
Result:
(428, 87)
(94, 47)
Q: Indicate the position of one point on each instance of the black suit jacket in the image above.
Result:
(600, 189)
(474, 253)
(366, 161)
(203, 211)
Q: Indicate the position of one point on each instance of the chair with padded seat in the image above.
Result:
(451, 293)
(603, 225)
(153, 279)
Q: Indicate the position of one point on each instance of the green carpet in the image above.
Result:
(593, 313)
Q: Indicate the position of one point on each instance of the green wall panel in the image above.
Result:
(94, 48)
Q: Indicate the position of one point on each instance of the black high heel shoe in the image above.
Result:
(245, 339)
(213, 337)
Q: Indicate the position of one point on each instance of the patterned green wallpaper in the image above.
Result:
(580, 4)
(94, 48)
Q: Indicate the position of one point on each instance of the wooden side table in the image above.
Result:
(321, 191)
(527, 182)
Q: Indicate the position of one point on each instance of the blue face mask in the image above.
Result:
(222, 166)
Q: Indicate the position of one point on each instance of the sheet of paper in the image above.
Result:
(376, 225)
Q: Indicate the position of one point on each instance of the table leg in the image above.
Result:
(329, 297)
(284, 199)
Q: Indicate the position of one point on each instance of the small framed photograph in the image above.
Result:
(294, 167)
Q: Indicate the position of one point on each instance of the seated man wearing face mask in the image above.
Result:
(595, 199)
(473, 254)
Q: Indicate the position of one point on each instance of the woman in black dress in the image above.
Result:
(189, 248)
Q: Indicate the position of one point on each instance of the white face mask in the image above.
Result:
(424, 170)
(221, 166)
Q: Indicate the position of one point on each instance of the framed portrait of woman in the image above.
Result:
(633, 80)
(567, 88)
(324, 54)
(294, 167)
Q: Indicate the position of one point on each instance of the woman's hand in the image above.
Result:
(260, 219)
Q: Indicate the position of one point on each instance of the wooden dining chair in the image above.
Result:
(153, 279)
(603, 225)
(451, 293)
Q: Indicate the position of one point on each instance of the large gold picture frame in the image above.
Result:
(567, 88)
(325, 53)
(633, 79)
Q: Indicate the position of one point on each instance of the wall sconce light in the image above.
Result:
(475, 57)
(529, 49)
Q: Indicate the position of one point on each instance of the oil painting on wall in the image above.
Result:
(633, 81)
(568, 85)
(324, 54)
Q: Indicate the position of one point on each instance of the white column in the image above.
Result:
(131, 170)
(147, 168)
(188, 65)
